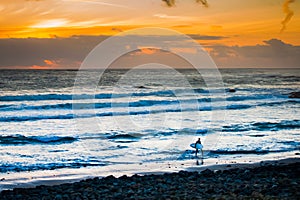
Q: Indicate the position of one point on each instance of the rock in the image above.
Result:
(294, 183)
(115, 184)
(274, 186)
(231, 90)
(207, 172)
(65, 196)
(58, 197)
(294, 95)
(266, 182)
(283, 174)
(141, 87)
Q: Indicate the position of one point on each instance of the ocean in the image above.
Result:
(141, 121)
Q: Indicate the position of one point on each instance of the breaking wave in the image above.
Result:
(263, 126)
(18, 167)
(23, 140)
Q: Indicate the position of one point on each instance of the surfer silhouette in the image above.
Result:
(198, 146)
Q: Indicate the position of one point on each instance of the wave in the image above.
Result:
(36, 118)
(23, 140)
(42, 97)
(136, 136)
(142, 93)
(279, 103)
(124, 138)
(144, 103)
(141, 112)
(5, 106)
(67, 106)
(291, 143)
(71, 116)
(38, 97)
(190, 154)
(18, 167)
(263, 126)
(258, 151)
(140, 103)
(70, 106)
(254, 97)
(159, 93)
(182, 132)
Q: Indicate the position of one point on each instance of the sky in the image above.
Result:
(58, 34)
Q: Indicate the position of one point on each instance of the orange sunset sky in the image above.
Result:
(53, 34)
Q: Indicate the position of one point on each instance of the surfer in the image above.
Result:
(198, 146)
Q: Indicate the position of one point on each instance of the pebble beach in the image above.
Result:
(265, 180)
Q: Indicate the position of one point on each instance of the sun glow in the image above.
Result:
(51, 23)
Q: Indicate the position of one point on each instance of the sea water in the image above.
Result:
(142, 122)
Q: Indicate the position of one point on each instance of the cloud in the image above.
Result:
(172, 3)
(98, 2)
(273, 53)
(148, 56)
(34, 51)
(164, 16)
(117, 29)
(55, 64)
(184, 50)
(289, 13)
(49, 62)
(169, 3)
(216, 27)
(61, 53)
(147, 50)
(206, 37)
(204, 2)
(50, 23)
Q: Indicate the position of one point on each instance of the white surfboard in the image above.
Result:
(198, 146)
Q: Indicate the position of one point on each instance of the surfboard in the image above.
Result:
(198, 146)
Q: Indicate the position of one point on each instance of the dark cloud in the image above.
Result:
(204, 2)
(34, 51)
(64, 52)
(273, 54)
(172, 3)
(206, 37)
(289, 13)
(117, 29)
(169, 3)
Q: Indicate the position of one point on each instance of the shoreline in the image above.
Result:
(30, 179)
(268, 169)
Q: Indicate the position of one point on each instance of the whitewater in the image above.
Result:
(142, 125)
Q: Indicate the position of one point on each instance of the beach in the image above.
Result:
(278, 179)
(166, 99)
(143, 122)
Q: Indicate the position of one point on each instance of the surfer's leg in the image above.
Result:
(196, 152)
